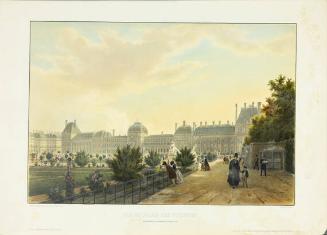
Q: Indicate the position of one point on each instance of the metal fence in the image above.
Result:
(129, 192)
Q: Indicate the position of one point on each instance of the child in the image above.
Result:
(245, 175)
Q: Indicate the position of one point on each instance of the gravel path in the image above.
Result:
(211, 187)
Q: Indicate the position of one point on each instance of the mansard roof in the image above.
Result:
(246, 114)
(184, 130)
(225, 129)
(71, 128)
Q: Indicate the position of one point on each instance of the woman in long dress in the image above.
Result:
(170, 171)
(179, 176)
(234, 172)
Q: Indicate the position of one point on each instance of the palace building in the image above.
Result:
(215, 137)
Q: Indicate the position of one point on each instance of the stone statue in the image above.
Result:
(172, 152)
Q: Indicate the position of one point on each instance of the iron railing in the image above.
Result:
(129, 192)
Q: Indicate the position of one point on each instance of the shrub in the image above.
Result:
(95, 181)
(55, 194)
(81, 159)
(153, 159)
(94, 162)
(127, 163)
(185, 158)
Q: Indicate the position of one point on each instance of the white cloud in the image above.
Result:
(87, 76)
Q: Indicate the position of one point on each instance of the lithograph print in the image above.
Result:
(162, 113)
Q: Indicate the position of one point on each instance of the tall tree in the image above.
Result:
(277, 120)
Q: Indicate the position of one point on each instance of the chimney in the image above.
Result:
(259, 107)
(219, 123)
(66, 122)
(227, 122)
(213, 123)
(184, 123)
(205, 123)
(235, 113)
(113, 132)
(245, 105)
(252, 104)
(175, 126)
(194, 126)
(200, 123)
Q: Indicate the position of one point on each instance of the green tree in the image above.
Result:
(276, 122)
(49, 156)
(153, 159)
(127, 163)
(81, 159)
(93, 162)
(185, 158)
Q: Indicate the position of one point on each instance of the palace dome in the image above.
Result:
(137, 128)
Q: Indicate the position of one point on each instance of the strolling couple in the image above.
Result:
(234, 173)
(173, 173)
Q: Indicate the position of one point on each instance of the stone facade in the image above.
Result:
(216, 138)
(40, 142)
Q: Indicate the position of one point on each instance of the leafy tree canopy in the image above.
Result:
(277, 119)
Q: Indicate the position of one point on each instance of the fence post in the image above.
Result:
(153, 183)
(147, 185)
(124, 192)
(140, 193)
(132, 192)
(105, 196)
(115, 192)
(83, 196)
(93, 197)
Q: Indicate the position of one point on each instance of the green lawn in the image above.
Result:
(41, 179)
